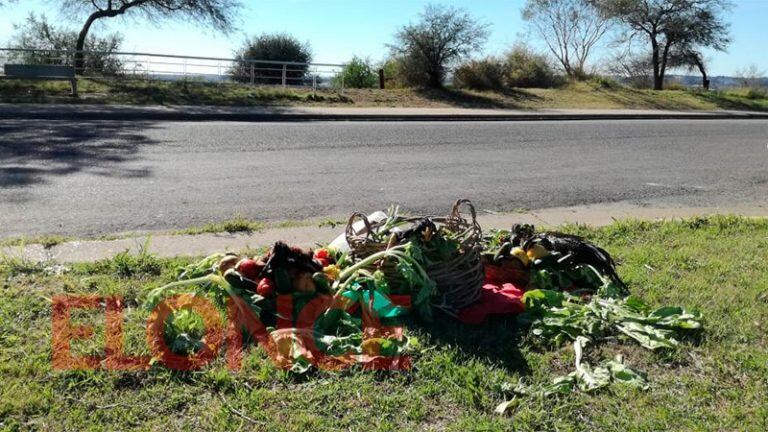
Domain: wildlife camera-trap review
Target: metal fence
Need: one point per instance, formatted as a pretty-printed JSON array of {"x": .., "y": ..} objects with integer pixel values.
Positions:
[{"x": 149, "y": 66}]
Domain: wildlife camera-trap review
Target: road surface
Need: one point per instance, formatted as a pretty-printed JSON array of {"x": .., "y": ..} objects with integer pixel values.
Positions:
[{"x": 102, "y": 177}]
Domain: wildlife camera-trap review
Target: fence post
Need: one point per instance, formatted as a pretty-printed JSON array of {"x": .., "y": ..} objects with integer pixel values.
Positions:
[
  {"x": 253, "y": 73},
  {"x": 381, "y": 78},
  {"x": 342, "y": 83},
  {"x": 314, "y": 84},
  {"x": 285, "y": 67}
]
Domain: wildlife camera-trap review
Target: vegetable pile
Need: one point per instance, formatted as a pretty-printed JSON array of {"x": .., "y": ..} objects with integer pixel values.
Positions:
[{"x": 561, "y": 288}]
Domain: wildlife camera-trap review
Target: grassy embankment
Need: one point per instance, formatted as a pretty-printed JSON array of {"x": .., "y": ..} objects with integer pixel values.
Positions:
[
  {"x": 591, "y": 95},
  {"x": 719, "y": 382}
]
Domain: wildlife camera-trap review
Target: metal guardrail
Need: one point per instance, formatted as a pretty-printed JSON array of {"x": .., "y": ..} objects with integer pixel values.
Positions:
[{"x": 170, "y": 67}]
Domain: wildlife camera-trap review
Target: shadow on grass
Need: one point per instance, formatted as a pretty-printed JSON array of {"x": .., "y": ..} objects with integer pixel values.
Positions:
[
  {"x": 506, "y": 99},
  {"x": 731, "y": 102},
  {"x": 497, "y": 340},
  {"x": 641, "y": 99}
]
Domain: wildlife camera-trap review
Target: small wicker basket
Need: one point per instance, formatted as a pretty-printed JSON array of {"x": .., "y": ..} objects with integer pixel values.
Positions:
[{"x": 458, "y": 279}]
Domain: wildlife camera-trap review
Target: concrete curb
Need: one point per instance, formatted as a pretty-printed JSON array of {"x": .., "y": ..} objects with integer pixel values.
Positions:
[
  {"x": 298, "y": 114},
  {"x": 166, "y": 245}
]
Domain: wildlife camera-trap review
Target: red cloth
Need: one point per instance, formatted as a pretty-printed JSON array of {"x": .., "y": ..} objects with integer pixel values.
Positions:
[{"x": 506, "y": 299}]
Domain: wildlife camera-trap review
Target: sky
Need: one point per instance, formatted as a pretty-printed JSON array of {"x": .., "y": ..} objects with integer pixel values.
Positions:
[{"x": 339, "y": 29}]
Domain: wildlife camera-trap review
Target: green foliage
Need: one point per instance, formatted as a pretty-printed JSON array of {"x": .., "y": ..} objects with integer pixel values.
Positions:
[
  {"x": 238, "y": 224},
  {"x": 526, "y": 68},
  {"x": 521, "y": 67},
  {"x": 442, "y": 37},
  {"x": 126, "y": 264},
  {"x": 486, "y": 74},
  {"x": 280, "y": 47},
  {"x": 757, "y": 93},
  {"x": 37, "y": 33},
  {"x": 358, "y": 73}
]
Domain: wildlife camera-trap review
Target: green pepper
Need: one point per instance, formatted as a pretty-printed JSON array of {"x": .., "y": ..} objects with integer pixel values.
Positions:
[{"x": 322, "y": 285}]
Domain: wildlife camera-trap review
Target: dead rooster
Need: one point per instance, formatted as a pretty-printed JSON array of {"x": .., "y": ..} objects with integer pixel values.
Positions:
[{"x": 572, "y": 248}]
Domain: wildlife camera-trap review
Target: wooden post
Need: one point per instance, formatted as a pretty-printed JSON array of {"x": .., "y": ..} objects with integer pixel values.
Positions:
[{"x": 381, "y": 78}]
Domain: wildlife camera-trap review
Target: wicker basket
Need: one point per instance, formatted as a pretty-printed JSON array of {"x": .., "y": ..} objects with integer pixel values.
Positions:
[
  {"x": 365, "y": 244},
  {"x": 458, "y": 279}
]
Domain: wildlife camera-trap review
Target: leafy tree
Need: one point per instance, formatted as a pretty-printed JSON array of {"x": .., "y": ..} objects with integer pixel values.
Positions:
[
  {"x": 442, "y": 37},
  {"x": 570, "y": 28},
  {"x": 670, "y": 26},
  {"x": 219, "y": 14},
  {"x": 358, "y": 73},
  {"x": 37, "y": 33},
  {"x": 279, "y": 47},
  {"x": 690, "y": 58}
]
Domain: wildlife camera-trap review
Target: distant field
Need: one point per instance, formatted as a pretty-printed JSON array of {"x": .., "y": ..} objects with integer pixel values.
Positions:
[
  {"x": 718, "y": 265},
  {"x": 577, "y": 95}
]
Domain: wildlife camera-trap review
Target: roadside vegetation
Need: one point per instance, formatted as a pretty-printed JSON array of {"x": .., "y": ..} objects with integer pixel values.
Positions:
[
  {"x": 433, "y": 61},
  {"x": 596, "y": 94},
  {"x": 719, "y": 381}
]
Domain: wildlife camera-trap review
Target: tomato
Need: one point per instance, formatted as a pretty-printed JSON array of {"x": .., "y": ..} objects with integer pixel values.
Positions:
[
  {"x": 249, "y": 268},
  {"x": 322, "y": 254},
  {"x": 266, "y": 288}
]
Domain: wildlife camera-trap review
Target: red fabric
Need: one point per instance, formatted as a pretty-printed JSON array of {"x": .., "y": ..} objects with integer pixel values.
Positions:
[
  {"x": 498, "y": 275},
  {"x": 506, "y": 299}
]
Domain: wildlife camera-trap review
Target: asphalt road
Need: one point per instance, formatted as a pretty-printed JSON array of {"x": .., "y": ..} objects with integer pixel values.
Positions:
[{"x": 103, "y": 177}]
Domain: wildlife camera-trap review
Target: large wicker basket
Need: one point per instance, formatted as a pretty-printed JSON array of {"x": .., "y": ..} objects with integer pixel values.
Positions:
[{"x": 458, "y": 279}]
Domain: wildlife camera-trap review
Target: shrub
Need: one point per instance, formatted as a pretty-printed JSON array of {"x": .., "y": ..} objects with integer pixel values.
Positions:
[
  {"x": 280, "y": 47},
  {"x": 404, "y": 71},
  {"x": 757, "y": 93},
  {"x": 358, "y": 73},
  {"x": 604, "y": 82},
  {"x": 526, "y": 68},
  {"x": 485, "y": 74}
]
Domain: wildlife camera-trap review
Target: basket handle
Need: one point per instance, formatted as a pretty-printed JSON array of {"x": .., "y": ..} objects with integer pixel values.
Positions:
[
  {"x": 350, "y": 231},
  {"x": 456, "y": 213}
]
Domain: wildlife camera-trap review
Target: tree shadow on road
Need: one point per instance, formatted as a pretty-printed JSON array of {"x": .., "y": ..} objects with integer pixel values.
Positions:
[{"x": 36, "y": 151}]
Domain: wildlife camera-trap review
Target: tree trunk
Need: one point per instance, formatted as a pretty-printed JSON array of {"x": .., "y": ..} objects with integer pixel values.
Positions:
[
  {"x": 79, "y": 55},
  {"x": 704, "y": 77},
  {"x": 658, "y": 78}
]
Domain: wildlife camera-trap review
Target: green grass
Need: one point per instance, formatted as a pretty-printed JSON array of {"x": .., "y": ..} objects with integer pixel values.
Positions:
[
  {"x": 718, "y": 265},
  {"x": 238, "y": 224},
  {"x": 595, "y": 94},
  {"x": 48, "y": 241},
  {"x": 140, "y": 92}
]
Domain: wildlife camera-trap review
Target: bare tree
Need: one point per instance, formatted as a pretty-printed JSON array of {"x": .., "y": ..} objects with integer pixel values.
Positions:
[
  {"x": 670, "y": 25},
  {"x": 750, "y": 76},
  {"x": 442, "y": 37},
  {"x": 635, "y": 69},
  {"x": 219, "y": 14},
  {"x": 570, "y": 28}
]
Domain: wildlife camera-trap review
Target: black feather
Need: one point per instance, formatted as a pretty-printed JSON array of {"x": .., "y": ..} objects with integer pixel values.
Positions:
[{"x": 579, "y": 250}]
